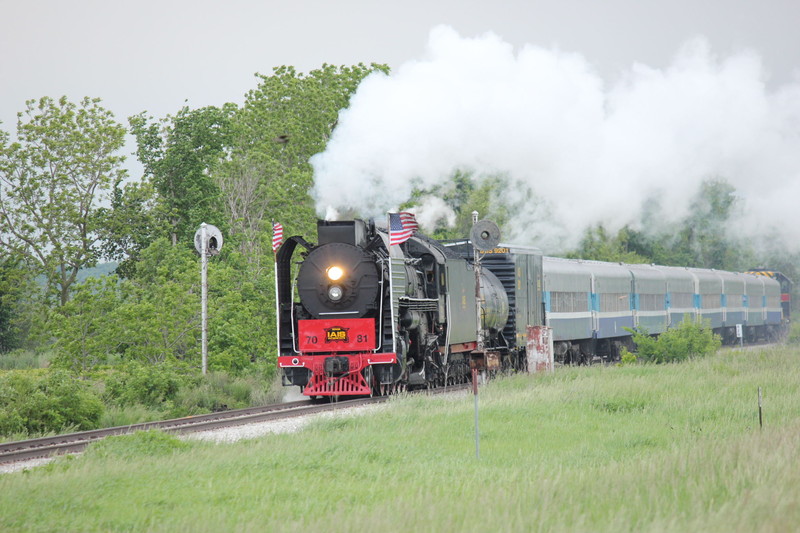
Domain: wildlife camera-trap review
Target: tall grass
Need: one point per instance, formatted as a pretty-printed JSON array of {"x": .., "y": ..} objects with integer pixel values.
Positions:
[
  {"x": 25, "y": 359},
  {"x": 672, "y": 447}
]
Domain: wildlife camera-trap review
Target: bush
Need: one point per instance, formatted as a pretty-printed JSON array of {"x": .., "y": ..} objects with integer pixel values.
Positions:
[
  {"x": 174, "y": 390},
  {"x": 35, "y": 402},
  {"x": 689, "y": 339},
  {"x": 218, "y": 391},
  {"x": 626, "y": 357},
  {"x": 794, "y": 333},
  {"x": 151, "y": 385}
]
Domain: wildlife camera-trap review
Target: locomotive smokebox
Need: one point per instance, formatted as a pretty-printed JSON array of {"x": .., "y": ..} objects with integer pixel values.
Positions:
[
  {"x": 352, "y": 232},
  {"x": 339, "y": 279}
]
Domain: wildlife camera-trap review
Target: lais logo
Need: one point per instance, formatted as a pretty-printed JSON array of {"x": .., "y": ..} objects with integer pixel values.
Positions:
[{"x": 336, "y": 334}]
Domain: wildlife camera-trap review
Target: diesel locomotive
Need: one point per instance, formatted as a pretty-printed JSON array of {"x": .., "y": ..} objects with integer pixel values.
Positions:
[{"x": 358, "y": 315}]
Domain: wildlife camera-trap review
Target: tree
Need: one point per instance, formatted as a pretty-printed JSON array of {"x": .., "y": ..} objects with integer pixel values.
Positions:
[
  {"x": 464, "y": 193},
  {"x": 704, "y": 233},
  {"x": 50, "y": 182},
  {"x": 133, "y": 222},
  {"x": 14, "y": 277},
  {"x": 701, "y": 239},
  {"x": 597, "y": 244},
  {"x": 85, "y": 330},
  {"x": 179, "y": 154},
  {"x": 287, "y": 119},
  {"x": 159, "y": 316}
]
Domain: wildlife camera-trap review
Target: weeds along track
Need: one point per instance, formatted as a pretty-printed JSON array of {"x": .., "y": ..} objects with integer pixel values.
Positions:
[
  {"x": 76, "y": 442},
  {"x": 43, "y": 447}
]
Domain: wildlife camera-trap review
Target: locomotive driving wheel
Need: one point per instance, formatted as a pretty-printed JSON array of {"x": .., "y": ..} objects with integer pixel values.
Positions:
[{"x": 372, "y": 382}]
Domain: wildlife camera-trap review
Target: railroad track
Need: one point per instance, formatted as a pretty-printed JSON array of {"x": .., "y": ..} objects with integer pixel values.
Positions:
[
  {"x": 76, "y": 442},
  {"x": 43, "y": 447}
]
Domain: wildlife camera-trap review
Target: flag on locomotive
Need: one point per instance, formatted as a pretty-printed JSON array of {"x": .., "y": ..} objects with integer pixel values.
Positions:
[
  {"x": 277, "y": 236},
  {"x": 401, "y": 227}
]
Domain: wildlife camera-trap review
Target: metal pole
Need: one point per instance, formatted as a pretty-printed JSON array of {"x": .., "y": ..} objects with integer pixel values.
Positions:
[
  {"x": 760, "y": 419},
  {"x": 475, "y": 394},
  {"x": 477, "y": 260},
  {"x": 204, "y": 294}
]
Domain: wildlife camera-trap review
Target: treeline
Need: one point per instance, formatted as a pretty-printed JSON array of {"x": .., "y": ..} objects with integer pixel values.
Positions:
[
  {"x": 712, "y": 235},
  {"x": 67, "y": 202}
]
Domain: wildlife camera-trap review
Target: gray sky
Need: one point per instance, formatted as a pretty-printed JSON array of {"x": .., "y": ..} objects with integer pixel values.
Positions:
[
  {"x": 578, "y": 100},
  {"x": 154, "y": 55}
]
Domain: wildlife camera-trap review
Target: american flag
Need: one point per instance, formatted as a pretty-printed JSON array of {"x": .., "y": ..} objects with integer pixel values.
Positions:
[
  {"x": 277, "y": 236},
  {"x": 401, "y": 227}
]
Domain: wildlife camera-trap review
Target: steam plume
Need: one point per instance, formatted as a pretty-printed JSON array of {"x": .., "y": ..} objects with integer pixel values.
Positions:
[{"x": 589, "y": 153}]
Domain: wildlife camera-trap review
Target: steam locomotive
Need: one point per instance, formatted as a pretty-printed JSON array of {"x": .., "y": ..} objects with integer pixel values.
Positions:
[{"x": 365, "y": 317}]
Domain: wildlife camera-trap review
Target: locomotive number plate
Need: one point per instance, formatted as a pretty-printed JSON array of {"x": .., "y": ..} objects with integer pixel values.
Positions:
[{"x": 337, "y": 335}]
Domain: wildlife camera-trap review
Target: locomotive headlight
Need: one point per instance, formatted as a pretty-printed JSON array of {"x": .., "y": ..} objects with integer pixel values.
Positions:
[
  {"x": 335, "y": 293},
  {"x": 335, "y": 273}
]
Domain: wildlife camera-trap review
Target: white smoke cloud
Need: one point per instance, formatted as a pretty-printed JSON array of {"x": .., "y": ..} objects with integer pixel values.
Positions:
[
  {"x": 589, "y": 152},
  {"x": 432, "y": 212}
]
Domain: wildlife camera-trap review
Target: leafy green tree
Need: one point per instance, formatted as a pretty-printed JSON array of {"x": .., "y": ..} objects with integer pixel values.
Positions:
[
  {"x": 152, "y": 317},
  {"x": 599, "y": 245},
  {"x": 159, "y": 318},
  {"x": 179, "y": 154},
  {"x": 50, "y": 184},
  {"x": 85, "y": 327},
  {"x": 54, "y": 401},
  {"x": 14, "y": 280},
  {"x": 705, "y": 234},
  {"x": 701, "y": 239},
  {"x": 284, "y": 121},
  {"x": 241, "y": 317},
  {"x": 133, "y": 222},
  {"x": 464, "y": 193}
]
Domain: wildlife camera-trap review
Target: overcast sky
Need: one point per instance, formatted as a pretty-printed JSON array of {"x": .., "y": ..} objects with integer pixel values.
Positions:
[
  {"x": 576, "y": 99},
  {"x": 154, "y": 55}
]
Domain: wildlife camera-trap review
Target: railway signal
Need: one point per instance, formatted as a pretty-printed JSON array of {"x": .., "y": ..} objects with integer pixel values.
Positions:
[{"x": 207, "y": 241}]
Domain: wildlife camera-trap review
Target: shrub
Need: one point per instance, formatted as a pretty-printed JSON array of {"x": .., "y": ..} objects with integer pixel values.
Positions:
[
  {"x": 151, "y": 385},
  {"x": 689, "y": 339},
  {"x": 50, "y": 402},
  {"x": 626, "y": 357},
  {"x": 218, "y": 391},
  {"x": 794, "y": 333}
]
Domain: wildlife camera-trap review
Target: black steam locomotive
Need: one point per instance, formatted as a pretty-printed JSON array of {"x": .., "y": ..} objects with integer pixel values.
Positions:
[{"x": 363, "y": 316}]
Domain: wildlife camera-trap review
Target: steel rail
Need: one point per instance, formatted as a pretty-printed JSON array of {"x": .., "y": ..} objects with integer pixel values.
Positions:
[
  {"x": 76, "y": 442},
  {"x": 43, "y": 447}
]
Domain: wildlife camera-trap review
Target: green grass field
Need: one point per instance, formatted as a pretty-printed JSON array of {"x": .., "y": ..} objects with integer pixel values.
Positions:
[{"x": 634, "y": 448}]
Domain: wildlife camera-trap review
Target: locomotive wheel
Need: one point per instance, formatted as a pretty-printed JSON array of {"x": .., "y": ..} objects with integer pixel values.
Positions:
[{"x": 369, "y": 377}]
